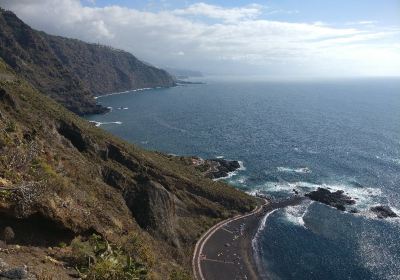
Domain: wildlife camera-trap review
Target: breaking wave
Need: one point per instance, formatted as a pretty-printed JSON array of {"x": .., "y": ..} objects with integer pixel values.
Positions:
[
  {"x": 126, "y": 91},
  {"x": 295, "y": 214},
  {"x": 365, "y": 197},
  {"x": 301, "y": 170},
  {"x": 103, "y": 123}
]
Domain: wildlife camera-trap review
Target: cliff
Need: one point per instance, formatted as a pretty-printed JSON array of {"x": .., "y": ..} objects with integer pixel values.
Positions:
[
  {"x": 71, "y": 71},
  {"x": 75, "y": 196}
]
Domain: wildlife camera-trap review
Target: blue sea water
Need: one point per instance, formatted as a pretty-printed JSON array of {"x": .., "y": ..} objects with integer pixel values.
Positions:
[{"x": 339, "y": 134}]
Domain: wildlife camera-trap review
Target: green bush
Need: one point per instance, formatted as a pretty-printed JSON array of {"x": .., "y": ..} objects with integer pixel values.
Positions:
[
  {"x": 179, "y": 275},
  {"x": 10, "y": 127},
  {"x": 95, "y": 259}
]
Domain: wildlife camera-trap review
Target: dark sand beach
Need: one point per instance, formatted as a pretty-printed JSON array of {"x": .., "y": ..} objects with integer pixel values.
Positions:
[{"x": 225, "y": 251}]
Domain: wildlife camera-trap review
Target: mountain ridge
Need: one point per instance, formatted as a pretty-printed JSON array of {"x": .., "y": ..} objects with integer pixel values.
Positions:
[{"x": 71, "y": 71}]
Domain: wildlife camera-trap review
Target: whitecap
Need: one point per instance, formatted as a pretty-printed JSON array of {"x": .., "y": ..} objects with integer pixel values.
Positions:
[
  {"x": 103, "y": 123},
  {"x": 365, "y": 196},
  {"x": 233, "y": 173},
  {"x": 95, "y": 123},
  {"x": 239, "y": 180},
  {"x": 242, "y": 167},
  {"x": 295, "y": 214},
  {"x": 396, "y": 160},
  {"x": 230, "y": 175},
  {"x": 300, "y": 170}
]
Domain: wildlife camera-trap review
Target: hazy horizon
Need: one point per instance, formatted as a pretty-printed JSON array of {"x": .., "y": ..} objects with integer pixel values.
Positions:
[{"x": 275, "y": 39}]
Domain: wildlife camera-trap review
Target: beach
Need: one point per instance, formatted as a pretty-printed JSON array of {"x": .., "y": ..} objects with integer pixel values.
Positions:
[{"x": 226, "y": 252}]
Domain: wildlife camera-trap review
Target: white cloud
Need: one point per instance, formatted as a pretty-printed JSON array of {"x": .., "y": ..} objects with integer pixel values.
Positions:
[
  {"x": 216, "y": 39},
  {"x": 362, "y": 22},
  {"x": 227, "y": 14}
]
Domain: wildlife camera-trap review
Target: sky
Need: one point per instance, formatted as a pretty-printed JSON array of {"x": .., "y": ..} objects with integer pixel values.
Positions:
[{"x": 276, "y": 38}]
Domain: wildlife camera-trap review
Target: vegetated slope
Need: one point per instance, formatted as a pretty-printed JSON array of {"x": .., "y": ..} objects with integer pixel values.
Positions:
[
  {"x": 72, "y": 71},
  {"x": 61, "y": 177}
]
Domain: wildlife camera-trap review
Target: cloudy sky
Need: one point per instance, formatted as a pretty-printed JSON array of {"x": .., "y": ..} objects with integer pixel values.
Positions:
[{"x": 281, "y": 38}]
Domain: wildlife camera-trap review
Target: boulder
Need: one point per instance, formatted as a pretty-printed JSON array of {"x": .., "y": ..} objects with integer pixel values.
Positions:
[
  {"x": 335, "y": 199},
  {"x": 15, "y": 273},
  {"x": 383, "y": 211}
]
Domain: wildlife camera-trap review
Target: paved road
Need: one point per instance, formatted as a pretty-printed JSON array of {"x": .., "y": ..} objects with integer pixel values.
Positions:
[
  {"x": 224, "y": 252},
  {"x": 220, "y": 259}
]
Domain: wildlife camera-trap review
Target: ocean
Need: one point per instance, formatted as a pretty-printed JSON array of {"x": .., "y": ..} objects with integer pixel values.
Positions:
[{"x": 341, "y": 134}]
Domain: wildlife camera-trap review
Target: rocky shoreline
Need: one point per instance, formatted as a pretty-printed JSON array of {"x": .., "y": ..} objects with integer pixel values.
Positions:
[
  {"x": 339, "y": 200},
  {"x": 216, "y": 168}
]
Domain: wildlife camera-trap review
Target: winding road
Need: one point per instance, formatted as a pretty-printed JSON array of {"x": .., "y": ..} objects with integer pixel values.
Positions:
[
  {"x": 224, "y": 252},
  {"x": 204, "y": 260}
]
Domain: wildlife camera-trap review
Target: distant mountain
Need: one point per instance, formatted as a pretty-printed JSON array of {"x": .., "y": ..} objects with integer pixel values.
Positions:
[
  {"x": 183, "y": 73},
  {"x": 71, "y": 71}
]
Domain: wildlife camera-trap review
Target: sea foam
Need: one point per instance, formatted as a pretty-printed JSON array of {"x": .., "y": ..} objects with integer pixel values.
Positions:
[
  {"x": 300, "y": 170},
  {"x": 96, "y": 123},
  {"x": 233, "y": 173},
  {"x": 365, "y": 197},
  {"x": 295, "y": 214},
  {"x": 126, "y": 91}
]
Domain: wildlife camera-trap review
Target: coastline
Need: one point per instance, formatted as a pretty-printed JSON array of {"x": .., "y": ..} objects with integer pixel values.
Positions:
[
  {"x": 226, "y": 250},
  {"x": 128, "y": 91}
]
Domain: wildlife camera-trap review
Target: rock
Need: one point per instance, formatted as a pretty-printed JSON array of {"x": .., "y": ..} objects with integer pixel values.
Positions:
[
  {"x": 7, "y": 99},
  {"x": 154, "y": 208},
  {"x": 3, "y": 265},
  {"x": 15, "y": 273},
  {"x": 220, "y": 168},
  {"x": 383, "y": 211},
  {"x": 335, "y": 199},
  {"x": 8, "y": 234}
]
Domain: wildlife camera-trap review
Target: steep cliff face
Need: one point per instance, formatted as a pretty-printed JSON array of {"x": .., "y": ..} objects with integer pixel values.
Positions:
[
  {"x": 106, "y": 70},
  {"x": 61, "y": 178},
  {"x": 71, "y": 71}
]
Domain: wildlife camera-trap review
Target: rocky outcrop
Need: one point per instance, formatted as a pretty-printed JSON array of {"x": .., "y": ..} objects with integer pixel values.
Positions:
[
  {"x": 335, "y": 199},
  {"x": 71, "y": 71},
  {"x": 7, "y": 99},
  {"x": 213, "y": 168},
  {"x": 154, "y": 209},
  {"x": 221, "y": 168},
  {"x": 8, "y": 272},
  {"x": 383, "y": 211}
]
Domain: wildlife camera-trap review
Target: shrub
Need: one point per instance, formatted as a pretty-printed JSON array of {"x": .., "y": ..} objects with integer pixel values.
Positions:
[
  {"x": 138, "y": 248},
  {"x": 95, "y": 259},
  {"x": 179, "y": 275},
  {"x": 11, "y": 127}
]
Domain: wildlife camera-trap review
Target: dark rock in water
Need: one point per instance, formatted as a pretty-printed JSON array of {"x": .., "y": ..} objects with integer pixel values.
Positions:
[
  {"x": 354, "y": 211},
  {"x": 383, "y": 211},
  {"x": 335, "y": 199},
  {"x": 296, "y": 191}
]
